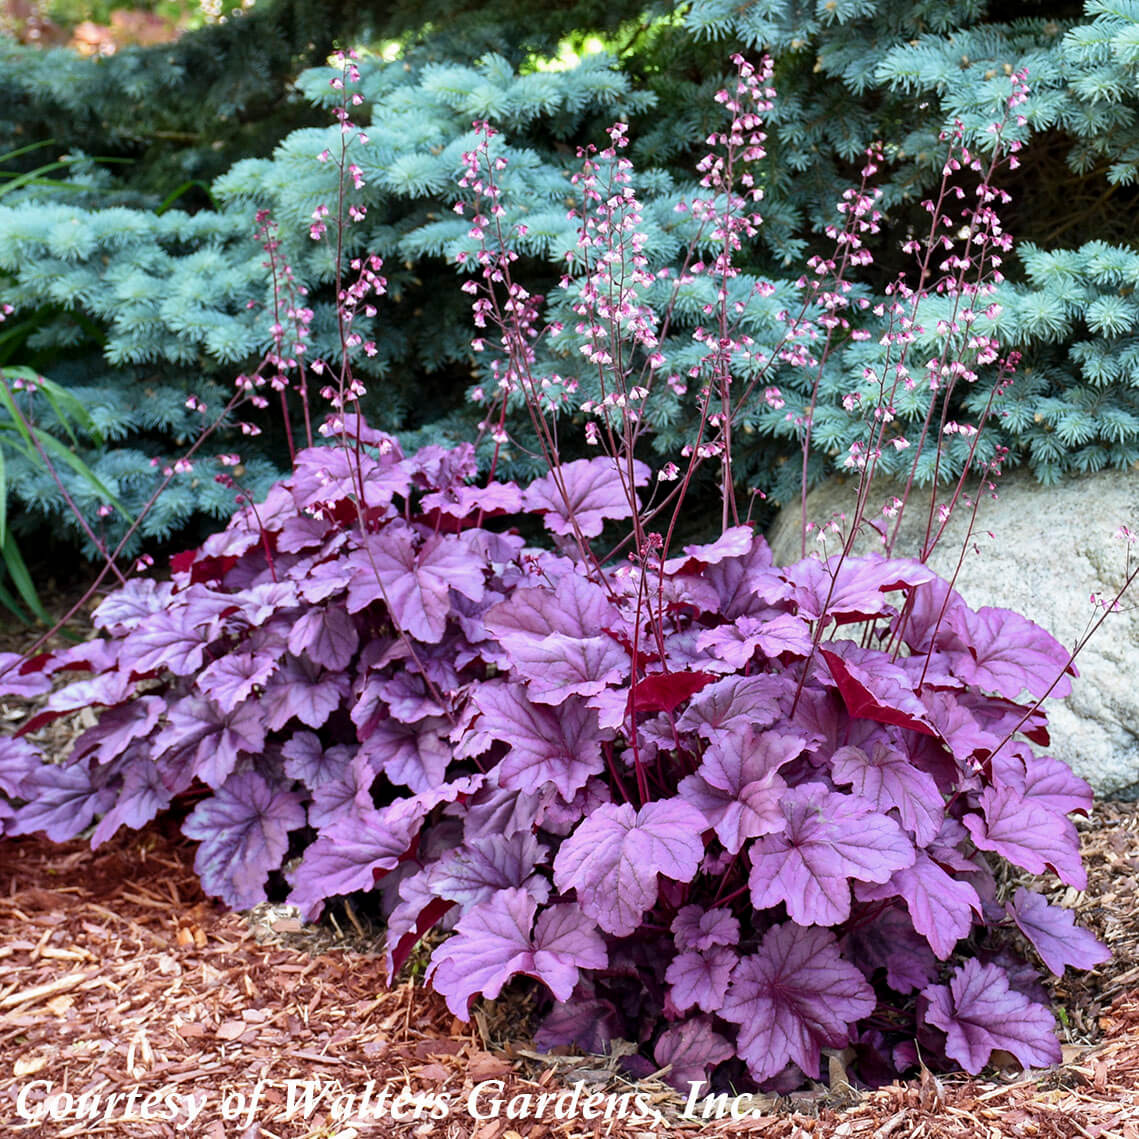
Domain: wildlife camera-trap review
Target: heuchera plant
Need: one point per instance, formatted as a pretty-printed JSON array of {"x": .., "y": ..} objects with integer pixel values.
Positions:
[{"x": 732, "y": 812}]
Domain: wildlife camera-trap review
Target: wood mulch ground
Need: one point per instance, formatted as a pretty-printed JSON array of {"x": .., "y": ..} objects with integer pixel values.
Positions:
[{"x": 130, "y": 1005}]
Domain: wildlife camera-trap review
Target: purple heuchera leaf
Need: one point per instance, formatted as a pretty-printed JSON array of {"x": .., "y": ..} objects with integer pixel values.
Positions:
[
  {"x": 346, "y": 857},
  {"x": 302, "y": 690},
  {"x": 1047, "y": 781},
  {"x": 62, "y": 799},
  {"x": 414, "y": 582},
  {"x": 326, "y": 635},
  {"x": 560, "y": 746},
  {"x": 615, "y": 855},
  {"x": 734, "y": 542},
  {"x": 829, "y": 839},
  {"x": 479, "y": 868},
  {"x": 701, "y": 978},
  {"x": 747, "y": 585},
  {"x": 736, "y": 644},
  {"x": 1054, "y": 933},
  {"x": 493, "y": 943},
  {"x": 142, "y": 796},
  {"x": 18, "y": 759},
  {"x": 746, "y": 810},
  {"x": 594, "y": 491},
  {"x": 244, "y": 832},
  {"x": 885, "y": 777},
  {"x": 979, "y": 1012},
  {"x": 15, "y": 683},
  {"x": 874, "y": 689},
  {"x": 1027, "y": 834},
  {"x": 793, "y": 997},
  {"x": 737, "y": 704},
  {"x": 690, "y": 1050},
  {"x": 889, "y": 941},
  {"x": 118, "y": 727},
  {"x": 411, "y": 755},
  {"x": 697, "y": 928},
  {"x": 1007, "y": 653},
  {"x": 940, "y": 906},
  {"x": 851, "y": 589},
  {"x": 581, "y": 1022},
  {"x": 558, "y": 666},
  {"x": 213, "y": 740},
  {"x": 131, "y": 603},
  {"x": 231, "y": 679}
]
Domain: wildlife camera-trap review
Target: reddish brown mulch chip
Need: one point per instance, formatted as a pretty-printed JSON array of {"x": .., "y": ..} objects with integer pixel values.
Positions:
[{"x": 132, "y": 1006}]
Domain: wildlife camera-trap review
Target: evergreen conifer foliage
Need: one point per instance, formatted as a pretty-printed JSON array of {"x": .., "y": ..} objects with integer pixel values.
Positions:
[{"x": 168, "y": 293}]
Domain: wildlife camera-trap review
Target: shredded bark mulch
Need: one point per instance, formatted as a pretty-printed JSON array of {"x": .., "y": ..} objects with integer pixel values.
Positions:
[{"x": 130, "y": 1005}]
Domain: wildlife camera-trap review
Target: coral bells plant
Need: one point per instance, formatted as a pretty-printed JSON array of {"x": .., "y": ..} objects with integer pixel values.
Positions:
[{"x": 734, "y": 813}]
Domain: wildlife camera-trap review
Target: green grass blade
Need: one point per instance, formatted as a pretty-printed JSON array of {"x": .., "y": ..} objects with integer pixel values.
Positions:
[{"x": 22, "y": 580}]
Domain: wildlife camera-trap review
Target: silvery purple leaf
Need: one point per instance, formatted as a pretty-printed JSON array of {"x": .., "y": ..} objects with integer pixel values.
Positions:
[
  {"x": 793, "y": 997},
  {"x": 690, "y": 1050},
  {"x": 851, "y": 589},
  {"x": 326, "y": 635},
  {"x": 24, "y": 685},
  {"x": 1027, "y": 834},
  {"x": 502, "y": 810},
  {"x": 231, "y": 679},
  {"x": 558, "y": 667},
  {"x": 121, "y": 611},
  {"x": 588, "y": 491},
  {"x": 62, "y": 799},
  {"x": 310, "y": 763},
  {"x": 979, "y": 1012},
  {"x": 492, "y": 943},
  {"x": 615, "y": 855},
  {"x": 118, "y": 727},
  {"x": 414, "y": 583},
  {"x": 346, "y": 795},
  {"x": 336, "y": 474},
  {"x": 735, "y": 704},
  {"x": 348, "y": 856},
  {"x": 244, "y": 833},
  {"x": 738, "y": 814},
  {"x": 213, "y": 739},
  {"x": 747, "y": 585},
  {"x": 736, "y": 643},
  {"x": 889, "y": 941},
  {"x": 172, "y": 639},
  {"x": 697, "y": 928},
  {"x": 561, "y": 746},
  {"x": 142, "y": 796},
  {"x": 578, "y": 608},
  {"x": 463, "y": 501},
  {"x": 480, "y": 867},
  {"x": 941, "y": 907},
  {"x": 923, "y": 623},
  {"x": 302, "y": 690},
  {"x": 411, "y": 755},
  {"x": 1054, "y": 933},
  {"x": 1047, "y": 781},
  {"x": 701, "y": 977},
  {"x": 581, "y": 1022},
  {"x": 302, "y": 533},
  {"x": 18, "y": 759},
  {"x": 884, "y": 776},
  {"x": 734, "y": 542},
  {"x": 829, "y": 839},
  {"x": 1006, "y": 653}
]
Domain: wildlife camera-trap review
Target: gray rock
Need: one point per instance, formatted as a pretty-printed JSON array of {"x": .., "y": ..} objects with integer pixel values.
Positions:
[{"x": 1052, "y": 548}]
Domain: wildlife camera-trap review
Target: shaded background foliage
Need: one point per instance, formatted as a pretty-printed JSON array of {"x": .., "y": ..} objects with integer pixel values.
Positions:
[{"x": 130, "y": 278}]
